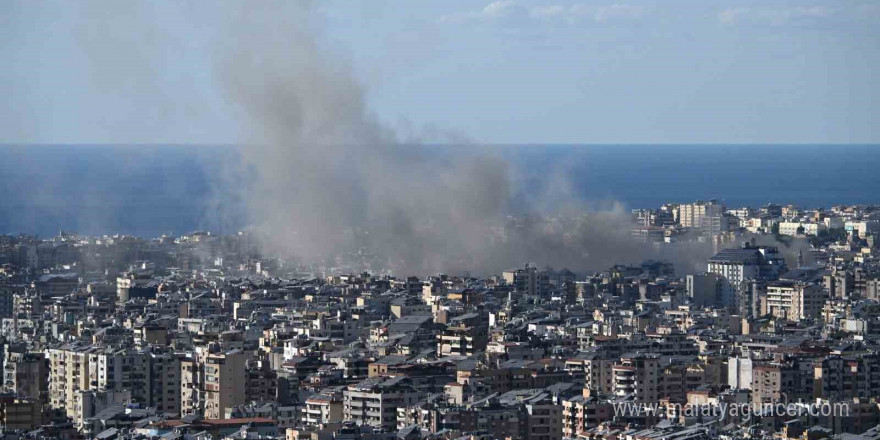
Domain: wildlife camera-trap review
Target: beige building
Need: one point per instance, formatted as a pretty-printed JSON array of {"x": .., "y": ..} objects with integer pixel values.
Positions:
[
  {"x": 793, "y": 301},
  {"x": 401, "y": 307},
  {"x": 692, "y": 215},
  {"x": 224, "y": 382},
  {"x": 68, "y": 374},
  {"x": 152, "y": 379},
  {"x": 323, "y": 408}
]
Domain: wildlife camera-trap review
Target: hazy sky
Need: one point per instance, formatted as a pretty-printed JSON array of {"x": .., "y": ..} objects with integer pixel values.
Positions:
[{"x": 509, "y": 71}]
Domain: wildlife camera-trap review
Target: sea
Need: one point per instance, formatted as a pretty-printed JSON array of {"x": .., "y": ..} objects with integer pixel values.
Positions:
[{"x": 148, "y": 190}]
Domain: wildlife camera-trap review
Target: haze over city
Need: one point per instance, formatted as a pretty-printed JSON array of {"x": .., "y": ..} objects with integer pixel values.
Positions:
[{"x": 457, "y": 220}]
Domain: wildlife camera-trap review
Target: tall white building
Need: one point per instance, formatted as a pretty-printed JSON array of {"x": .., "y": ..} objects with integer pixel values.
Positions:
[{"x": 747, "y": 263}]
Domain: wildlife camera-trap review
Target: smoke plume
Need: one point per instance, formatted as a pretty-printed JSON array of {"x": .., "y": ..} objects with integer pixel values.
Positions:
[
  {"x": 331, "y": 179},
  {"x": 320, "y": 176}
]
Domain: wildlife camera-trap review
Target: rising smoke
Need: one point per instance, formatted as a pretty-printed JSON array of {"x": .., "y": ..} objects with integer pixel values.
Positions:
[
  {"x": 320, "y": 176},
  {"x": 333, "y": 180}
]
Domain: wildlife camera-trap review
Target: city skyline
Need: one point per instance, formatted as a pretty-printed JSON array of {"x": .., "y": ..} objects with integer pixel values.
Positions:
[{"x": 454, "y": 220}]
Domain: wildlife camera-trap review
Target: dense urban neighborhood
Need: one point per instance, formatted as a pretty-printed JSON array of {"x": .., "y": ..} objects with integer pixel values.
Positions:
[{"x": 204, "y": 336}]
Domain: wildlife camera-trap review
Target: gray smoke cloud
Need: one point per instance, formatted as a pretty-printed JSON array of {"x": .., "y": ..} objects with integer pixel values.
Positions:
[
  {"x": 320, "y": 175},
  {"x": 332, "y": 179}
]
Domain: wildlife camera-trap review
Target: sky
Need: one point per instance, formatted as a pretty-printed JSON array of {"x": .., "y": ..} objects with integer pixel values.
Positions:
[{"x": 502, "y": 72}]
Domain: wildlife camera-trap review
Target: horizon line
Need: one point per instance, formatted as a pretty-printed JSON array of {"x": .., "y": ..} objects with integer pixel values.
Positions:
[{"x": 482, "y": 144}]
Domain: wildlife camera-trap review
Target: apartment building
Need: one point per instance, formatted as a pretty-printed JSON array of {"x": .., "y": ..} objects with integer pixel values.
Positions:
[
  {"x": 581, "y": 413},
  {"x": 121, "y": 369},
  {"x": 747, "y": 263},
  {"x": 464, "y": 336},
  {"x": 262, "y": 382},
  {"x": 847, "y": 377},
  {"x": 800, "y": 228},
  {"x": 543, "y": 418},
  {"x": 151, "y": 379},
  {"x": 793, "y": 301},
  {"x": 165, "y": 383},
  {"x": 374, "y": 401},
  {"x": 704, "y": 289},
  {"x": 638, "y": 375},
  {"x": 20, "y": 413},
  {"x": 594, "y": 371},
  {"x": 701, "y": 214},
  {"x": 322, "y": 408},
  {"x": 192, "y": 392},
  {"x": 224, "y": 382},
  {"x": 68, "y": 374},
  {"x": 789, "y": 380},
  {"x": 26, "y": 375},
  {"x": 528, "y": 280}
]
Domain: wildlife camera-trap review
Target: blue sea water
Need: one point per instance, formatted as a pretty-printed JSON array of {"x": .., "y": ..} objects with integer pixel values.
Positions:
[{"x": 151, "y": 190}]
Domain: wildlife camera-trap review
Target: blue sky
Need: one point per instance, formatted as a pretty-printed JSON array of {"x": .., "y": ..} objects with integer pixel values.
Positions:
[{"x": 509, "y": 71}]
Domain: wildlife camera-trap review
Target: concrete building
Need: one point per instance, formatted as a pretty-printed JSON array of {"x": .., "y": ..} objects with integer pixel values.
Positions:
[
  {"x": 543, "y": 418},
  {"x": 323, "y": 408},
  {"x": 150, "y": 379},
  {"x": 261, "y": 382},
  {"x": 165, "y": 383},
  {"x": 862, "y": 228},
  {"x": 637, "y": 375},
  {"x": 705, "y": 289},
  {"x": 528, "y": 280},
  {"x": 800, "y": 228},
  {"x": 595, "y": 372},
  {"x": 374, "y": 401},
  {"x": 581, "y": 413},
  {"x": 92, "y": 403},
  {"x": 747, "y": 263},
  {"x": 691, "y": 215},
  {"x": 464, "y": 336},
  {"x": 68, "y": 374},
  {"x": 192, "y": 391},
  {"x": 739, "y": 373},
  {"x": 26, "y": 375},
  {"x": 786, "y": 381},
  {"x": 224, "y": 382},
  {"x": 409, "y": 306},
  {"x": 793, "y": 301},
  {"x": 846, "y": 377},
  {"x": 20, "y": 413},
  {"x": 6, "y": 299}
]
